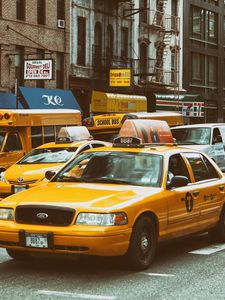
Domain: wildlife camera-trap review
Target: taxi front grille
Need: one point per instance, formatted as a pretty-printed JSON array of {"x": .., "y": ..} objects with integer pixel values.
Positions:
[
  {"x": 22, "y": 182},
  {"x": 44, "y": 215}
]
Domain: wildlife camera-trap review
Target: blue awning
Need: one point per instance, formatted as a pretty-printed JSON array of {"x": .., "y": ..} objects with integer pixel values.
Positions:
[
  {"x": 40, "y": 98},
  {"x": 8, "y": 101}
]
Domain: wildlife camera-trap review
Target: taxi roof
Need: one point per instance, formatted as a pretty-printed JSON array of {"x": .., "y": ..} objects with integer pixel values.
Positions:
[
  {"x": 199, "y": 125},
  {"x": 62, "y": 145},
  {"x": 154, "y": 149}
]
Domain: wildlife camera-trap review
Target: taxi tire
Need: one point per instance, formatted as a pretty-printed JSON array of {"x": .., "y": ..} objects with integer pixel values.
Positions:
[
  {"x": 142, "y": 246},
  {"x": 17, "y": 254},
  {"x": 218, "y": 233}
]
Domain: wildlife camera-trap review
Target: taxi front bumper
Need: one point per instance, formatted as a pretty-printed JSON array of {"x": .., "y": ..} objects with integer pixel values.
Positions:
[
  {"x": 7, "y": 189},
  {"x": 113, "y": 243}
]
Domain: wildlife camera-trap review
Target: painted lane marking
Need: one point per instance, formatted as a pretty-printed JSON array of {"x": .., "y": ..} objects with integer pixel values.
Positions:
[
  {"x": 157, "y": 274},
  {"x": 209, "y": 250},
  {"x": 74, "y": 295}
]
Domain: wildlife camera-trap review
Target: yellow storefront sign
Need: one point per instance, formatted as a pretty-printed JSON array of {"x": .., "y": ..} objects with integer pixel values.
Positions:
[{"x": 120, "y": 77}]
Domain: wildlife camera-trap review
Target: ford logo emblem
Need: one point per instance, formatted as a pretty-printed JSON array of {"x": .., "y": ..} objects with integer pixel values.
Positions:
[
  {"x": 20, "y": 179},
  {"x": 42, "y": 216}
]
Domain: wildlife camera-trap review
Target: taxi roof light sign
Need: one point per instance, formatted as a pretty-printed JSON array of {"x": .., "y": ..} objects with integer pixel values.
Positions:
[
  {"x": 73, "y": 133},
  {"x": 148, "y": 131}
]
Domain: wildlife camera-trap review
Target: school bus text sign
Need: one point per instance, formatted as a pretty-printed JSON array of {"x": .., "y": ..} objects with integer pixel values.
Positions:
[{"x": 120, "y": 77}]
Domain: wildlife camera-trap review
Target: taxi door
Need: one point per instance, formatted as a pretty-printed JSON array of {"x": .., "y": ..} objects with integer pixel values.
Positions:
[
  {"x": 12, "y": 150},
  {"x": 210, "y": 187},
  {"x": 183, "y": 202}
]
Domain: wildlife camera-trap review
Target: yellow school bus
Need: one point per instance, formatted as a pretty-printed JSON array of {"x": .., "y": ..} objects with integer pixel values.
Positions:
[
  {"x": 110, "y": 110},
  {"x": 107, "y": 126},
  {"x": 21, "y": 130}
]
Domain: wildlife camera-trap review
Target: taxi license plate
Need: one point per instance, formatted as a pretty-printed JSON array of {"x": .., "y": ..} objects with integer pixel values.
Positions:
[
  {"x": 19, "y": 188},
  {"x": 36, "y": 240}
]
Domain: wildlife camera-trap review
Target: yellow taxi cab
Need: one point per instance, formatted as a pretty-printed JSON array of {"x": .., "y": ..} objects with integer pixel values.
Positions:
[
  {"x": 30, "y": 170},
  {"x": 118, "y": 201}
]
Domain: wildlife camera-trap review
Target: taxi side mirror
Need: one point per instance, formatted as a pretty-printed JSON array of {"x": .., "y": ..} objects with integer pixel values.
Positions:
[
  {"x": 2, "y": 169},
  {"x": 177, "y": 181},
  {"x": 49, "y": 174}
]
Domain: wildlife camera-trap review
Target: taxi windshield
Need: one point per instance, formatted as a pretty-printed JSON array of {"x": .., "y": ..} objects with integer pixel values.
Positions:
[
  {"x": 2, "y": 136},
  {"x": 192, "y": 136},
  {"x": 114, "y": 167},
  {"x": 49, "y": 155}
]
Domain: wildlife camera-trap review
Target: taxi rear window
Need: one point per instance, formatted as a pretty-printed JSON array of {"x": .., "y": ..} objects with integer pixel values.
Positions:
[{"x": 115, "y": 167}]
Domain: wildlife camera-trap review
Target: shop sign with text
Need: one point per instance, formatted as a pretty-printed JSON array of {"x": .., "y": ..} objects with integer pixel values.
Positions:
[
  {"x": 38, "y": 69},
  {"x": 120, "y": 77}
]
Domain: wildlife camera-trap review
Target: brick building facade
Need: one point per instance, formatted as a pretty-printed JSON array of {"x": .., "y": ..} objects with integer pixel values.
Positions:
[{"x": 33, "y": 30}]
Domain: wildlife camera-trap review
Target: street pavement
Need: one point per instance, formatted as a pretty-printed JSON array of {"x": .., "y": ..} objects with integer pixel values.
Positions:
[{"x": 192, "y": 268}]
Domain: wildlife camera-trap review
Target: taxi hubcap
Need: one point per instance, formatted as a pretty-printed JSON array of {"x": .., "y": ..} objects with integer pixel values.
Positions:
[{"x": 144, "y": 244}]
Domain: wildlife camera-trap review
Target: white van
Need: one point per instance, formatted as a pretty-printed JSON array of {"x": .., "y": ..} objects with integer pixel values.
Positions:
[{"x": 208, "y": 138}]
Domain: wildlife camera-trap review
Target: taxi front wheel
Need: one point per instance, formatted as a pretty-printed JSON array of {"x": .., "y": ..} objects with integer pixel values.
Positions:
[
  {"x": 17, "y": 254},
  {"x": 142, "y": 244}
]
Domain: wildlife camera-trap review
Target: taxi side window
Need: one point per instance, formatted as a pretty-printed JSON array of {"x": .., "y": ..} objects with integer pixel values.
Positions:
[
  {"x": 217, "y": 138},
  {"x": 222, "y": 131},
  {"x": 84, "y": 149},
  {"x": 36, "y": 136},
  {"x": 177, "y": 167},
  {"x": 49, "y": 134},
  {"x": 199, "y": 167},
  {"x": 13, "y": 143},
  {"x": 212, "y": 171}
]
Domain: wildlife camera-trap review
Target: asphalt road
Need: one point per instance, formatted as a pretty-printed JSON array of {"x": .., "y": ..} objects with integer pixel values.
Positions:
[{"x": 175, "y": 274}]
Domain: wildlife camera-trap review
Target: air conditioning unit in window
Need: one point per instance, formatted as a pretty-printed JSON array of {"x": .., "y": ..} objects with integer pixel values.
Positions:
[{"x": 60, "y": 23}]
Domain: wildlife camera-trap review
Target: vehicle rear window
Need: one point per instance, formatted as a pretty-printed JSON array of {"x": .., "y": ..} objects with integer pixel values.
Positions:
[{"x": 192, "y": 136}]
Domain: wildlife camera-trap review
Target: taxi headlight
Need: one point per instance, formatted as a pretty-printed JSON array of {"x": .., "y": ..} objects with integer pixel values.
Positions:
[
  {"x": 6, "y": 214},
  {"x": 99, "y": 219},
  {"x": 2, "y": 176}
]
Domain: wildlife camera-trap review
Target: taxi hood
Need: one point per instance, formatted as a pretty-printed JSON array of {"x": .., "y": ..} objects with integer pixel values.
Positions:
[
  {"x": 29, "y": 172},
  {"x": 103, "y": 197}
]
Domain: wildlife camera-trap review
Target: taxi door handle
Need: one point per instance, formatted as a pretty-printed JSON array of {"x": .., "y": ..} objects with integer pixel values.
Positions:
[
  {"x": 196, "y": 193},
  {"x": 221, "y": 188}
]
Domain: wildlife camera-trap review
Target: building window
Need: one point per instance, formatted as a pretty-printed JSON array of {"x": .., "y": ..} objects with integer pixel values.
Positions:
[
  {"x": 143, "y": 13},
  {"x": 143, "y": 60},
  {"x": 59, "y": 71},
  {"x": 204, "y": 24},
  {"x": 204, "y": 70},
  {"x": 19, "y": 60},
  {"x": 214, "y": 2},
  {"x": 173, "y": 66},
  {"x": 61, "y": 9},
  {"x": 20, "y": 10},
  {"x": 0, "y": 8},
  {"x": 110, "y": 45},
  {"x": 81, "y": 57},
  {"x": 97, "y": 51},
  {"x": 197, "y": 22},
  {"x": 40, "y": 55},
  {"x": 41, "y": 12},
  {"x": 197, "y": 69},
  {"x": 124, "y": 43},
  {"x": 212, "y": 71}
]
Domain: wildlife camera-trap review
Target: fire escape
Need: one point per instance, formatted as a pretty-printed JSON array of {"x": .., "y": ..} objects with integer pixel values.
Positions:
[{"x": 166, "y": 27}]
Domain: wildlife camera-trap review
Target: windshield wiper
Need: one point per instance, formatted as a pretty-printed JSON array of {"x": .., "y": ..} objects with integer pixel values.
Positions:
[
  {"x": 68, "y": 179},
  {"x": 106, "y": 180},
  {"x": 187, "y": 143}
]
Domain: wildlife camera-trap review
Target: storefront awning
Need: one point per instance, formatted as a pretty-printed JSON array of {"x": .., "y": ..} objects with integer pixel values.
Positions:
[
  {"x": 191, "y": 105},
  {"x": 8, "y": 101},
  {"x": 38, "y": 98}
]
